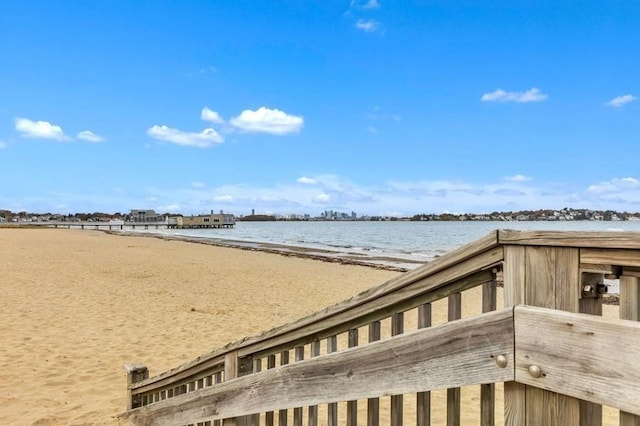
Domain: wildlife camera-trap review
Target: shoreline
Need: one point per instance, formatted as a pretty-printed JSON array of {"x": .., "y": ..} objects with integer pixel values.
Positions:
[{"x": 378, "y": 262}]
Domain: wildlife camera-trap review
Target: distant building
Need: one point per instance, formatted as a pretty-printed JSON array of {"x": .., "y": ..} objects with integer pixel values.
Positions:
[
  {"x": 145, "y": 216},
  {"x": 223, "y": 220}
]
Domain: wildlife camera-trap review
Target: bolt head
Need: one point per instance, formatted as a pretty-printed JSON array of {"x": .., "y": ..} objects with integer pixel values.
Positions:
[
  {"x": 501, "y": 360},
  {"x": 535, "y": 371}
]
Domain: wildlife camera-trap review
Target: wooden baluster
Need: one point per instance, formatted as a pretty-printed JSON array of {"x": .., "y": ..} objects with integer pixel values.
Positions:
[
  {"x": 630, "y": 310},
  {"x": 397, "y": 327},
  {"x": 488, "y": 391},
  {"x": 268, "y": 417},
  {"x": 297, "y": 412},
  {"x": 332, "y": 408},
  {"x": 230, "y": 373},
  {"x": 313, "y": 409},
  {"x": 254, "y": 420},
  {"x": 352, "y": 406},
  {"x": 453, "y": 394},
  {"x": 373, "y": 404},
  {"x": 217, "y": 379},
  {"x": 282, "y": 414},
  {"x": 423, "y": 399}
]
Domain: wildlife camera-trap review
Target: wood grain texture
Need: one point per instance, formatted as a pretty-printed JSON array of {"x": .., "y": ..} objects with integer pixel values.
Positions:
[
  {"x": 618, "y": 257},
  {"x": 373, "y": 404},
  {"x": 514, "y": 294},
  {"x": 488, "y": 391},
  {"x": 454, "y": 354},
  {"x": 423, "y": 399},
  {"x": 454, "y": 312},
  {"x": 599, "y": 239},
  {"x": 575, "y": 356},
  {"x": 629, "y": 310}
]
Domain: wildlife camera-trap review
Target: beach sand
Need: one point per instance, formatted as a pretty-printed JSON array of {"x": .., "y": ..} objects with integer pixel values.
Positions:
[{"x": 78, "y": 305}]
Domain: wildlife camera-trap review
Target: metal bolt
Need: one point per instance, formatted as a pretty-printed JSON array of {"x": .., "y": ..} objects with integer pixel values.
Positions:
[
  {"x": 501, "y": 360},
  {"x": 587, "y": 288},
  {"x": 535, "y": 371}
]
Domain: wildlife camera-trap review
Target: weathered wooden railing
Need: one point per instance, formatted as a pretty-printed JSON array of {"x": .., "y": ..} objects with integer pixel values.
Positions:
[{"x": 546, "y": 358}]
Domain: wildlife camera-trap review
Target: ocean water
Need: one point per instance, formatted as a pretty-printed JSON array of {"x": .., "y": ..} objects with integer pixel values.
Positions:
[{"x": 405, "y": 244}]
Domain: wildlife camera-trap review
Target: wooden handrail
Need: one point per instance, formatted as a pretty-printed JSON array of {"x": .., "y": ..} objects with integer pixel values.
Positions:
[{"x": 563, "y": 352}]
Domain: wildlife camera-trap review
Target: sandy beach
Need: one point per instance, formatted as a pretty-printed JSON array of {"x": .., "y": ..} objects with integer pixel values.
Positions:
[{"x": 78, "y": 305}]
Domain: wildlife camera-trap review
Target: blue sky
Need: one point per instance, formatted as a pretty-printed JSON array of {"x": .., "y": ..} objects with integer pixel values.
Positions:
[{"x": 378, "y": 107}]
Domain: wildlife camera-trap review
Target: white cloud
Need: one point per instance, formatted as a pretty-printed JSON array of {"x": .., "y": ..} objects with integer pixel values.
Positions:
[
  {"x": 499, "y": 95},
  {"x": 619, "y": 101},
  {"x": 3, "y": 145},
  {"x": 211, "y": 116},
  {"x": 265, "y": 120},
  {"x": 518, "y": 178},
  {"x": 307, "y": 181},
  {"x": 39, "y": 130},
  {"x": 322, "y": 198},
  {"x": 87, "y": 135},
  {"x": 366, "y": 4},
  {"x": 615, "y": 185},
  {"x": 367, "y": 25},
  {"x": 223, "y": 198},
  {"x": 204, "y": 139}
]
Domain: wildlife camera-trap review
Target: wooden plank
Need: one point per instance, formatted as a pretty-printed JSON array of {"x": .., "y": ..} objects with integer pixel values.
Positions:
[
  {"x": 454, "y": 354},
  {"x": 599, "y": 239},
  {"x": 397, "y": 328},
  {"x": 488, "y": 390},
  {"x": 453, "y": 394},
  {"x": 423, "y": 399},
  {"x": 573, "y": 352},
  {"x": 629, "y": 310},
  {"x": 254, "y": 420},
  {"x": 373, "y": 404},
  {"x": 514, "y": 294},
  {"x": 619, "y": 257}
]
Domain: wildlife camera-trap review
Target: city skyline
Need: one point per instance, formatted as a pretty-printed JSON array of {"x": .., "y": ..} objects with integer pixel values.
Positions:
[{"x": 378, "y": 107}]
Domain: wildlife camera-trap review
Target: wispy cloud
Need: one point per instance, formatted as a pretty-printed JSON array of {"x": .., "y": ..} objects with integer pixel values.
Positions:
[
  {"x": 203, "y": 139},
  {"x": 615, "y": 185},
  {"x": 619, "y": 101},
  {"x": 211, "y": 116},
  {"x": 365, "y": 4},
  {"x": 307, "y": 180},
  {"x": 499, "y": 95},
  {"x": 197, "y": 184},
  {"x": 265, "y": 120},
  {"x": 39, "y": 130},
  {"x": 89, "y": 136},
  {"x": 367, "y": 25},
  {"x": 518, "y": 178}
]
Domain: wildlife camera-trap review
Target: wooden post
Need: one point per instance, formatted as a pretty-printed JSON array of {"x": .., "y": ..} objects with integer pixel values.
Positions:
[
  {"x": 423, "y": 399},
  {"x": 453, "y": 394},
  {"x": 254, "y": 420},
  {"x": 230, "y": 372},
  {"x": 135, "y": 373},
  {"x": 630, "y": 310},
  {"x": 548, "y": 277}
]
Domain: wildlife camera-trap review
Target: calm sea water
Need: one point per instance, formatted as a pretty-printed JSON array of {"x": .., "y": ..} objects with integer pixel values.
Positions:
[{"x": 409, "y": 241}]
